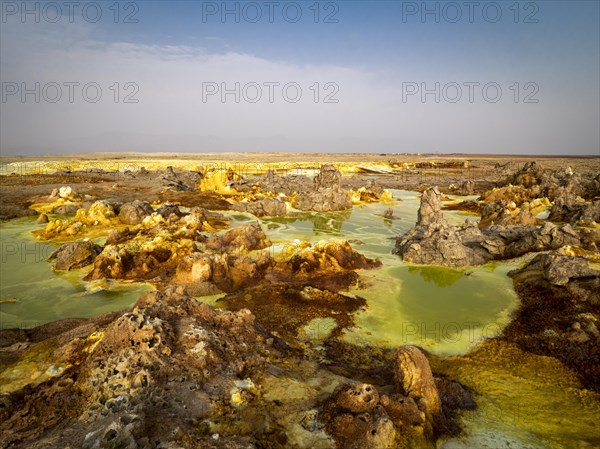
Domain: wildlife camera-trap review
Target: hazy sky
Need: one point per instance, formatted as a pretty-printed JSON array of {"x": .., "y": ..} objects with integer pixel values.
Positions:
[{"x": 347, "y": 76}]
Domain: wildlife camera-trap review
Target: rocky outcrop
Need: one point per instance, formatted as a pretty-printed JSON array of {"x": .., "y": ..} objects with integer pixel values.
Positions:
[
  {"x": 529, "y": 175},
  {"x": 327, "y": 194},
  {"x": 507, "y": 194},
  {"x": 179, "y": 183},
  {"x": 328, "y": 177},
  {"x": 99, "y": 214},
  {"x": 572, "y": 209},
  {"x": 140, "y": 260},
  {"x": 370, "y": 192},
  {"x": 408, "y": 415},
  {"x": 502, "y": 213},
  {"x": 266, "y": 207},
  {"x": 329, "y": 265},
  {"x": 519, "y": 240},
  {"x": 415, "y": 380},
  {"x": 288, "y": 185},
  {"x": 433, "y": 241},
  {"x": 559, "y": 313},
  {"x": 74, "y": 255},
  {"x": 538, "y": 182},
  {"x": 147, "y": 379},
  {"x": 134, "y": 213},
  {"x": 324, "y": 200},
  {"x": 168, "y": 209},
  {"x": 559, "y": 269},
  {"x": 430, "y": 210},
  {"x": 371, "y": 429},
  {"x": 208, "y": 274},
  {"x": 65, "y": 209},
  {"x": 467, "y": 187},
  {"x": 241, "y": 239}
]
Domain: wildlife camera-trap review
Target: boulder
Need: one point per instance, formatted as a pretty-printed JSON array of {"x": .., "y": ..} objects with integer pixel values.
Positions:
[
  {"x": 415, "y": 380},
  {"x": 131, "y": 262},
  {"x": 266, "y": 207},
  {"x": 287, "y": 185},
  {"x": 328, "y": 177},
  {"x": 134, "y": 213},
  {"x": 65, "y": 209},
  {"x": 245, "y": 238},
  {"x": 365, "y": 431},
  {"x": 100, "y": 212},
  {"x": 327, "y": 194},
  {"x": 410, "y": 414},
  {"x": 74, "y": 255},
  {"x": 323, "y": 200},
  {"x": 208, "y": 274},
  {"x": 403, "y": 410},
  {"x": 173, "y": 181},
  {"x": 167, "y": 209},
  {"x": 358, "y": 398},
  {"x": 560, "y": 269}
]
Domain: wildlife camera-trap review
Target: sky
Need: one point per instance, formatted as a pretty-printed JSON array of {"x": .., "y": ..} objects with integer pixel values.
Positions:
[{"x": 510, "y": 77}]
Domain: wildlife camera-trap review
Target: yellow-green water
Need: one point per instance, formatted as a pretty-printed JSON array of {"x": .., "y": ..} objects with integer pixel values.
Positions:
[
  {"x": 525, "y": 401},
  {"x": 444, "y": 310},
  {"x": 42, "y": 295}
]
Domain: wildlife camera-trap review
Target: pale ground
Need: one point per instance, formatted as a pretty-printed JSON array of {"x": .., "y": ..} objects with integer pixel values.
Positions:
[{"x": 398, "y": 171}]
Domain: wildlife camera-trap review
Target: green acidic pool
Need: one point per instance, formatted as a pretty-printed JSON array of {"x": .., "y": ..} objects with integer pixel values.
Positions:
[
  {"x": 444, "y": 310},
  {"x": 41, "y": 295}
]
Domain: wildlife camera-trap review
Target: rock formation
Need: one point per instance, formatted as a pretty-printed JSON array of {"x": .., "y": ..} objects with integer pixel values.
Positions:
[
  {"x": 266, "y": 207},
  {"x": 148, "y": 379},
  {"x": 134, "y": 213},
  {"x": 74, "y": 255},
  {"x": 241, "y": 239},
  {"x": 559, "y": 314},
  {"x": 327, "y": 194},
  {"x": 411, "y": 415},
  {"x": 433, "y": 241}
]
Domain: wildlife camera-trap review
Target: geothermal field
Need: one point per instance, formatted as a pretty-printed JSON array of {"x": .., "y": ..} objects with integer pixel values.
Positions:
[{"x": 295, "y": 300}]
